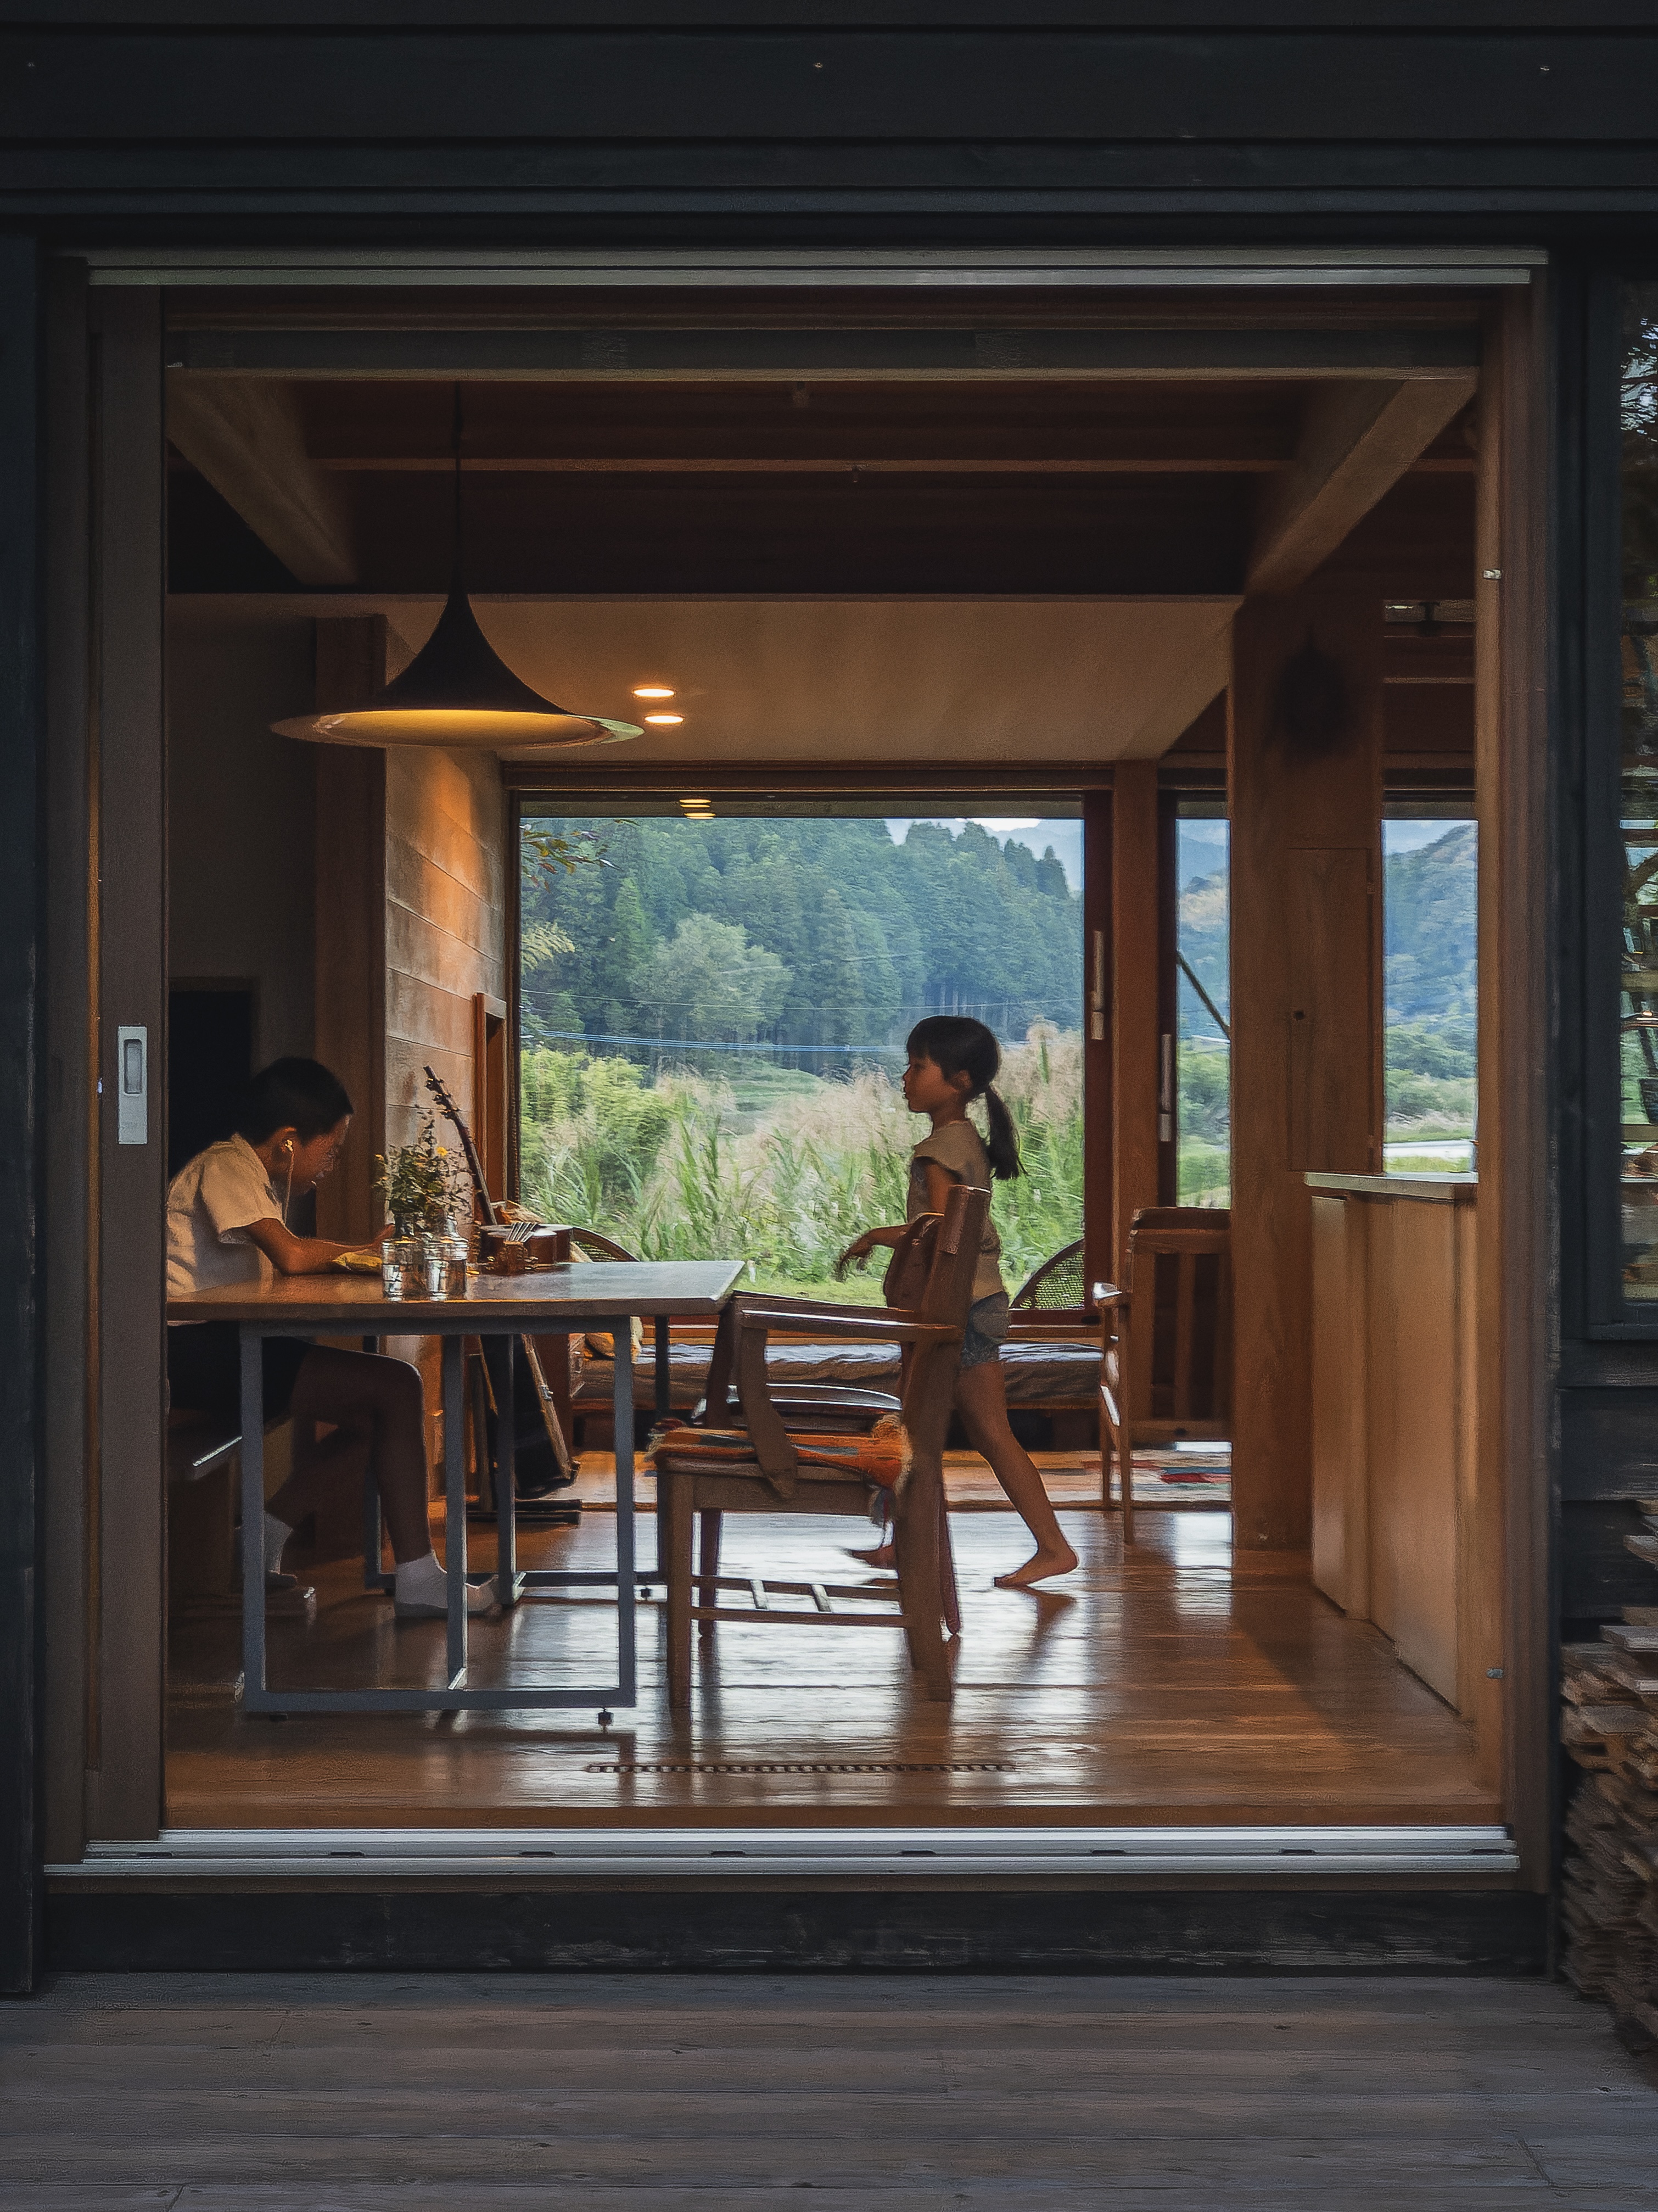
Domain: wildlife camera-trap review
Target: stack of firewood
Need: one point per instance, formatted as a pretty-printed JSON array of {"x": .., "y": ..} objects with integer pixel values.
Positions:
[{"x": 1609, "y": 1725}]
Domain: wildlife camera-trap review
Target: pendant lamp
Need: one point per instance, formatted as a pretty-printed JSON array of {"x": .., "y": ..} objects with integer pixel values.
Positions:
[{"x": 457, "y": 691}]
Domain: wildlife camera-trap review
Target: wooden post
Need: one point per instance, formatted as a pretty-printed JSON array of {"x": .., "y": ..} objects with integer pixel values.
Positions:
[
  {"x": 1099, "y": 1244},
  {"x": 350, "y": 1025},
  {"x": 1136, "y": 993},
  {"x": 1168, "y": 997},
  {"x": 1304, "y": 774}
]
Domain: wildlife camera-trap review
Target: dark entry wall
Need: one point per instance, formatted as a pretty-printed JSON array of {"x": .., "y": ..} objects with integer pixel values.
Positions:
[{"x": 415, "y": 125}]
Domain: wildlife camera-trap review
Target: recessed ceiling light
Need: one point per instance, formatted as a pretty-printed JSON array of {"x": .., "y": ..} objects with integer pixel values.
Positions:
[
  {"x": 662, "y": 721},
  {"x": 653, "y": 691}
]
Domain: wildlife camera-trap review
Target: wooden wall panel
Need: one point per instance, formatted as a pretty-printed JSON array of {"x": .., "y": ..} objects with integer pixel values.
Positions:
[
  {"x": 350, "y": 988},
  {"x": 71, "y": 1119},
  {"x": 1416, "y": 1429},
  {"x": 127, "y": 1552},
  {"x": 1340, "y": 1355},
  {"x": 445, "y": 922},
  {"x": 1304, "y": 1076}
]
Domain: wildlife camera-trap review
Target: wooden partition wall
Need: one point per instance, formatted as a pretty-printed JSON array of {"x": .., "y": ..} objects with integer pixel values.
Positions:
[{"x": 1304, "y": 777}]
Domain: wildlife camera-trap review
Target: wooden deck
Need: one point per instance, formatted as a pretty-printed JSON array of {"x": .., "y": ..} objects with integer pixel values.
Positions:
[
  {"x": 1167, "y": 1685},
  {"x": 279, "y": 2092}
]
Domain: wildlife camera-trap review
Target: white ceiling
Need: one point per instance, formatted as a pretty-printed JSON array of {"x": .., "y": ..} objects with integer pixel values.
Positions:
[
  {"x": 928, "y": 681},
  {"x": 932, "y": 682}
]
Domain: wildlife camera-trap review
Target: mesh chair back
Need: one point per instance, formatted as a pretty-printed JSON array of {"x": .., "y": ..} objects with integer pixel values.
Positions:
[{"x": 1057, "y": 1284}]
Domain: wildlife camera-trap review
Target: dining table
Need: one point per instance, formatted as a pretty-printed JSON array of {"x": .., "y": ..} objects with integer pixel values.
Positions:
[{"x": 588, "y": 1298}]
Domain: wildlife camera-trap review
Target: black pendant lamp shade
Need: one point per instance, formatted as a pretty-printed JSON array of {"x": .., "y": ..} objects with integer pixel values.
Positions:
[{"x": 457, "y": 691}]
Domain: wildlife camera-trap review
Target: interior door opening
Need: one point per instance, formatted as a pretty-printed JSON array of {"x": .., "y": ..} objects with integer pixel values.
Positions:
[{"x": 1124, "y": 615}]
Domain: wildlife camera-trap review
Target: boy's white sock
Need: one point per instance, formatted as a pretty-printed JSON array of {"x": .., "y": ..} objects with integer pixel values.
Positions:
[
  {"x": 423, "y": 1582},
  {"x": 277, "y": 1534}
]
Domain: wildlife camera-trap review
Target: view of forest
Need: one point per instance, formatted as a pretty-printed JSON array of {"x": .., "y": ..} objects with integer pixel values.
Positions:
[
  {"x": 713, "y": 1017},
  {"x": 1431, "y": 988},
  {"x": 713, "y": 1022}
]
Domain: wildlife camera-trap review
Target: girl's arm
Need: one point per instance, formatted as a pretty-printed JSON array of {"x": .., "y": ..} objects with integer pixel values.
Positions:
[
  {"x": 939, "y": 1181},
  {"x": 297, "y": 1255}
]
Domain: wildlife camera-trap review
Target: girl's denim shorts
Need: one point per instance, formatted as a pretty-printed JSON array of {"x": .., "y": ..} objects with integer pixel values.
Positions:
[{"x": 987, "y": 1323}]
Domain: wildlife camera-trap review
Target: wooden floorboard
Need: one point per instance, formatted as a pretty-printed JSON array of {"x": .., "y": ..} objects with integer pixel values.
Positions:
[
  {"x": 1166, "y": 1683},
  {"x": 356, "y": 2094}
]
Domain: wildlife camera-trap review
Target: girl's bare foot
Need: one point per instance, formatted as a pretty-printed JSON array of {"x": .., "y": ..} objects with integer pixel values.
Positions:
[
  {"x": 882, "y": 1556},
  {"x": 1038, "y": 1567}
]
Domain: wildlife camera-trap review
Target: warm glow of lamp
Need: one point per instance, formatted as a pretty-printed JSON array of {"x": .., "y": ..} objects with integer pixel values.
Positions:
[
  {"x": 459, "y": 691},
  {"x": 664, "y": 721},
  {"x": 653, "y": 691}
]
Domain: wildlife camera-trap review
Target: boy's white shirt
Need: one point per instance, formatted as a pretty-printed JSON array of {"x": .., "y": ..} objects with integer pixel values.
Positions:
[{"x": 211, "y": 1203}]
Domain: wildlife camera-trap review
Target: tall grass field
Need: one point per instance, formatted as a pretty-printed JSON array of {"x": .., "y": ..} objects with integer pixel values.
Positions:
[{"x": 778, "y": 1168}]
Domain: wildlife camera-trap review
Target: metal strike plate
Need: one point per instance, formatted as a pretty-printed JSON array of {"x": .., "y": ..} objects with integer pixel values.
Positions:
[{"x": 132, "y": 1086}]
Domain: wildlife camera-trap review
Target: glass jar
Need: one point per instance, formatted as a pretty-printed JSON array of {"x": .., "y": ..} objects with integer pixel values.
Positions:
[
  {"x": 401, "y": 1269},
  {"x": 455, "y": 1256},
  {"x": 434, "y": 1266}
]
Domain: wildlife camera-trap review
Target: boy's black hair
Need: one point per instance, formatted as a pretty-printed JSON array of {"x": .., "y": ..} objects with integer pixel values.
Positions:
[
  {"x": 292, "y": 1094},
  {"x": 957, "y": 1045}
]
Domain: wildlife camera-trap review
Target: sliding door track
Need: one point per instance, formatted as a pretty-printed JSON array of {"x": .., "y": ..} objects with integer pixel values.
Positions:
[{"x": 903, "y": 1856}]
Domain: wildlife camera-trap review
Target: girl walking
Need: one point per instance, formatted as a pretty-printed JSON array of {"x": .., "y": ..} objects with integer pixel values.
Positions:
[{"x": 952, "y": 1062}]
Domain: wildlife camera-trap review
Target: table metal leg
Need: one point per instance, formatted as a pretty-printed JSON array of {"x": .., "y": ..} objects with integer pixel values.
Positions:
[
  {"x": 626, "y": 1595},
  {"x": 454, "y": 1499},
  {"x": 375, "y": 1576},
  {"x": 507, "y": 1584},
  {"x": 663, "y": 1395},
  {"x": 252, "y": 1451}
]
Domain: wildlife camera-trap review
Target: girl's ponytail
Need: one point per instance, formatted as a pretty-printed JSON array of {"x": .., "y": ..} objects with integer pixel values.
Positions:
[{"x": 1004, "y": 1144}]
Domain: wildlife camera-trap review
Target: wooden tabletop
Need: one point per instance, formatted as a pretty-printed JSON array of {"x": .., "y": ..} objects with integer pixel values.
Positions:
[{"x": 560, "y": 1297}]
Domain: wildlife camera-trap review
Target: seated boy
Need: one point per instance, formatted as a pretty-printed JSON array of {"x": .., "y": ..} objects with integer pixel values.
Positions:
[{"x": 226, "y": 1222}]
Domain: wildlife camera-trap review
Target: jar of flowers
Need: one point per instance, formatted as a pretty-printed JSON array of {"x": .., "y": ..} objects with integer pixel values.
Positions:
[{"x": 427, "y": 1190}]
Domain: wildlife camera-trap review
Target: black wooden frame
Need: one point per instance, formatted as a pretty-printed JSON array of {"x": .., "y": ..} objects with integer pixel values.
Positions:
[
  {"x": 1594, "y": 744},
  {"x": 1201, "y": 140}
]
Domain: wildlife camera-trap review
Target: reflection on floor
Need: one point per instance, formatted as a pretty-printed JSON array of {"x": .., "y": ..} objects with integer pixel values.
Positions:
[{"x": 1160, "y": 1685}]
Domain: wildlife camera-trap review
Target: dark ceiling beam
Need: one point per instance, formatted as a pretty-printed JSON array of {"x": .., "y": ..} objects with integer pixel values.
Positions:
[
  {"x": 1357, "y": 441},
  {"x": 549, "y": 354},
  {"x": 247, "y": 438},
  {"x": 1117, "y": 464}
]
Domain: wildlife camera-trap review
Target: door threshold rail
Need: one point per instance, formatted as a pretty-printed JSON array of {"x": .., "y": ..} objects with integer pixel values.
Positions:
[{"x": 908, "y": 1854}]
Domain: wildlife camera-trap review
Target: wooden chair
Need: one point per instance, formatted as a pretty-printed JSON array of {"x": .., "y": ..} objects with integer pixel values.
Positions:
[
  {"x": 775, "y": 1480},
  {"x": 1165, "y": 1342}
]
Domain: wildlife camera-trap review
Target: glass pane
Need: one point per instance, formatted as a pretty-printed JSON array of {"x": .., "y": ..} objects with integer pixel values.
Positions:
[
  {"x": 1204, "y": 1051},
  {"x": 1639, "y": 1027},
  {"x": 1431, "y": 906},
  {"x": 714, "y": 1021}
]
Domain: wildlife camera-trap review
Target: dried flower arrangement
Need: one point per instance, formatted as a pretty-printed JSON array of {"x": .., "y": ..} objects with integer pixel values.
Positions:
[{"x": 425, "y": 1185}]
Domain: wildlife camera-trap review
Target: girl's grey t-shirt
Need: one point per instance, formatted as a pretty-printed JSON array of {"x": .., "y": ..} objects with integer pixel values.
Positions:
[{"x": 960, "y": 1150}]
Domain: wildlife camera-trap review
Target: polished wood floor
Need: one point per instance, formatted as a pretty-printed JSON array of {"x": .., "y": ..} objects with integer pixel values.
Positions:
[
  {"x": 468, "y": 2093},
  {"x": 1170, "y": 1683}
]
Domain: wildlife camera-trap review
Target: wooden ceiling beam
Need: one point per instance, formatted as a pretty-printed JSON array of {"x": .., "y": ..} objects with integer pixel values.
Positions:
[
  {"x": 1117, "y": 464},
  {"x": 247, "y": 439},
  {"x": 1357, "y": 441}
]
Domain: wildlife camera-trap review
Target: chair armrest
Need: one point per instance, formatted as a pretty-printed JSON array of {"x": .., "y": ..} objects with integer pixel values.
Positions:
[
  {"x": 786, "y": 1310},
  {"x": 855, "y": 1328}
]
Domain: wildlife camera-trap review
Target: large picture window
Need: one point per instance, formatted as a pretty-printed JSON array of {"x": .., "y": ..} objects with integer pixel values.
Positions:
[{"x": 713, "y": 1018}]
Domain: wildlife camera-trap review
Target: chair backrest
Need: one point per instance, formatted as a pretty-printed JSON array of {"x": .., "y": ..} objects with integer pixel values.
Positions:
[
  {"x": 930, "y": 1371},
  {"x": 1179, "y": 1278},
  {"x": 593, "y": 1246},
  {"x": 1057, "y": 1284}
]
